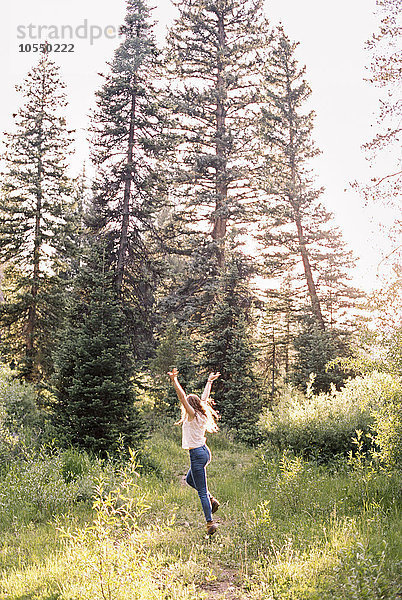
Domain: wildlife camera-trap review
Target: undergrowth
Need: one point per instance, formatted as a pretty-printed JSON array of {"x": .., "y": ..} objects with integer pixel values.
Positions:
[{"x": 289, "y": 528}]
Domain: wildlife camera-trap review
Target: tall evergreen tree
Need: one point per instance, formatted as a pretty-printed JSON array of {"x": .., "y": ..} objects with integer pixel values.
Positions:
[
  {"x": 176, "y": 347},
  {"x": 297, "y": 232},
  {"x": 314, "y": 350},
  {"x": 278, "y": 327},
  {"x": 35, "y": 220},
  {"x": 385, "y": 72},
  {"x": 214, "y": 52},
  {"x": 95, "y": 403},
  {"x": 383, "y": 150},
  {"x": 80, "y": 209},
  {"x": 129, "y": 128},
  {"x": 228, "y": 348}
]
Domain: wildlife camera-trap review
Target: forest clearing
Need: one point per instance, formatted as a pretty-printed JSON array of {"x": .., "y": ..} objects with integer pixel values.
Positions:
[
  {"x": 288, "y": 528},
  {"x": 195, "y": 243}
]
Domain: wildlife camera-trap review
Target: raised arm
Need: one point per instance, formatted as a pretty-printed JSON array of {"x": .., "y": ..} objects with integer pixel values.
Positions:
[
  {"x": 207, "y": 389},
  {"x": 181, "y": 394}
]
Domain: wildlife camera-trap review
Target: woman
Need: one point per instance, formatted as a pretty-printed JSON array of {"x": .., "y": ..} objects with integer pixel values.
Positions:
[{"x": 197, "y": 417}]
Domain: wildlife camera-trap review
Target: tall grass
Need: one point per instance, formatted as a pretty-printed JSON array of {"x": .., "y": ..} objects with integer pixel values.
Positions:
[{"x": 289, "y": 529}]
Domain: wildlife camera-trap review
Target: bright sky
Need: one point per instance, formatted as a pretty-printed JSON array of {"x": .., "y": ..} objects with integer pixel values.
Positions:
[{"x": 331, "y": 36}]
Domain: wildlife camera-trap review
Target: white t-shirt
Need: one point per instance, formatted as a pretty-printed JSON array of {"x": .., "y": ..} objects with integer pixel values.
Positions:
[{"x": 194, "y": 431}]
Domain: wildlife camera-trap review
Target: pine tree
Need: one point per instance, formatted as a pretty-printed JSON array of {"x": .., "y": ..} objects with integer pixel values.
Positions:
[
  {"x": 296, "y": 229},
  {"x": 383, "y": 150},
  {"x": 315, "y": 349},
  {"x": 385, "y": 73},
  {"x": 278, "y": 326},
  {"x": 190, "y": 287},
  {"x": 129, "y": 141},
  {"x": 35, "y": 221},
  {"x": 175, "y": 348},
  {"x": 213, "y": 51},
  {"x": 80, "y": 210},
  {"x": 229, "y": 349},
  {"x": 95, "y": 403}
]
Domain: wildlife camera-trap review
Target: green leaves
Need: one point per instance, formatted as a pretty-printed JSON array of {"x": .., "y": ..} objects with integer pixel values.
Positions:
[
  {"x": 95, "y": 407},
  {"x": 36, "y": 220},
  {"x": 214, "y": 78}
]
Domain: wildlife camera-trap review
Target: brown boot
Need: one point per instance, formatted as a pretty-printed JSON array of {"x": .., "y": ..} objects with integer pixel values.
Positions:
[
  {"x": 211, "y": 527},
  {"x": 214, "y": 504}
]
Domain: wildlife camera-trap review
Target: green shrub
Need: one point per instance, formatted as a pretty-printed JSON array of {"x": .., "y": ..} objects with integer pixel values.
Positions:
[
  {"x": 20, "y": 419},
  {"x": 388, "y": 424},
  {"x": 364, "y": 573},
  {"x": 19, "y": 401},
  {"x": 42, "y": 486},
  {"x": 74, "y": 465},
  {"x": 8, "y": 443},
  {"x": 381, "y": 394},
  {"x": 324, "y": 425}
]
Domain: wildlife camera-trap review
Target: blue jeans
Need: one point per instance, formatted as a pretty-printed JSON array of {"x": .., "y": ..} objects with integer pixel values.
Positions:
[{"x": 197, "y": 477}]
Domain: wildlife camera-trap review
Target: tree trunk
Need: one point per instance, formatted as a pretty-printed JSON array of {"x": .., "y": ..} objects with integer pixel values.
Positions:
[
  {"x": 122, "y": 253},
  {"x": 31, "y": 322},
  {"x": 32, "y": 311},
  {"x": 221, "y": 187},
  {"x": 287, "y": 340},
  {"x": 315, "y": 301},
  {"x": 273, "y": 366},
  {"x": 1, "y": 291}
]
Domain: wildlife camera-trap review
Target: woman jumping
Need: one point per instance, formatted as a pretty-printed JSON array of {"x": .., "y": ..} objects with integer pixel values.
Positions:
[{"x": 197, "y": 417}]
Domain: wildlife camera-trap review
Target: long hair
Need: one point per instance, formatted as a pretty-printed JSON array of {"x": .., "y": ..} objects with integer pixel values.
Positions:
[{"x": 201, "y": 408}]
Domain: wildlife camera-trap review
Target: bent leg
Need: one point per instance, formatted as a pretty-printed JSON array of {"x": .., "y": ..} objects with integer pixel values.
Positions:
[
  {"x": 199, "y": 459},
  {"x": 190, "y": 480}
]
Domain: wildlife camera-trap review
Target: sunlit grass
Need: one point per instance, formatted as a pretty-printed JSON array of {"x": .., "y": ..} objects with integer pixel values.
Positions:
[{"x": 288, "y": 530}]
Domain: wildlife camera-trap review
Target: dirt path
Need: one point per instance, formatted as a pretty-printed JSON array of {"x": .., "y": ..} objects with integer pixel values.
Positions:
[{"x": 225, "y": 587}]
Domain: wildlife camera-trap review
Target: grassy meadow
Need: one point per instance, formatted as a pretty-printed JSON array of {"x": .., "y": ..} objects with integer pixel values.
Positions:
[{"x": 75, "y": 528}]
